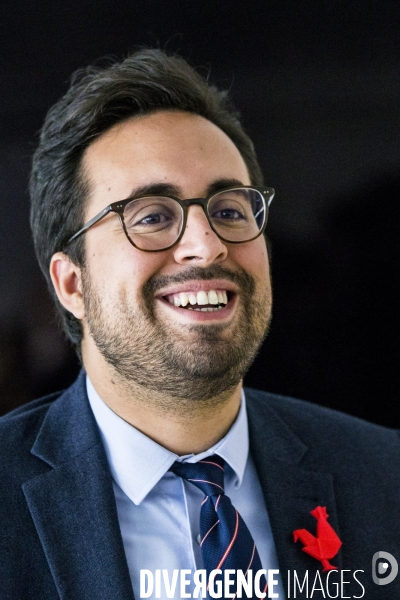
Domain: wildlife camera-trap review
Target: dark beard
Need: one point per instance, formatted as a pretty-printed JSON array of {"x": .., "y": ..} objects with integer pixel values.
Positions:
[{"x": 144, "y": 351}]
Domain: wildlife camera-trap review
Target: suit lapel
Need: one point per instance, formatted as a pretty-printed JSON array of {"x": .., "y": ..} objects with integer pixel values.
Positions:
[
  {"x": 290, "y": 490},
  {"x": 73, "y": 505}
]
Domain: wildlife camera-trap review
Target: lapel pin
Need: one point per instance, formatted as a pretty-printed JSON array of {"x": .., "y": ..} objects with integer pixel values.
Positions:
[{"x": 323, "y": 546}]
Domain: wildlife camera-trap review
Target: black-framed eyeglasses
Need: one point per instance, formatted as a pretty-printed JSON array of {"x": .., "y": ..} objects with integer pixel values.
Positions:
[{"x": 153, "y": 223}]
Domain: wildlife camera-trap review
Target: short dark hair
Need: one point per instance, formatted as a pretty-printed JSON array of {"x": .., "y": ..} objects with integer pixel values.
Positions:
[{"x": 98, "y": 98}]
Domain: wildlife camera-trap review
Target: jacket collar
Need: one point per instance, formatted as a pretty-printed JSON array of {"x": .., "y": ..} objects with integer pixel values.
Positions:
[{"x": 73, "y": 505}]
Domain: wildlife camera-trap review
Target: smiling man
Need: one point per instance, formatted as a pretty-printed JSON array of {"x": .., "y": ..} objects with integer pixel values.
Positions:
[
  {"x": 156, "y": 474},
  {"x": 173, "y": 322}
]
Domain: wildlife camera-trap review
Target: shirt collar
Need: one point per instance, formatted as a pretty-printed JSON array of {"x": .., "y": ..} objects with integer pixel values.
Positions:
[{"x": 138, "y": 463}]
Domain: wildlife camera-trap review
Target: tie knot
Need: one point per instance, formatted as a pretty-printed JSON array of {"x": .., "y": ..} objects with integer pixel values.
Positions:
[{"x": 207, "y": 474}]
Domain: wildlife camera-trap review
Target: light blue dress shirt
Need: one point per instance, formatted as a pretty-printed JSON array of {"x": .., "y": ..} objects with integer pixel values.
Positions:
[{"x": 159, "y": 513}]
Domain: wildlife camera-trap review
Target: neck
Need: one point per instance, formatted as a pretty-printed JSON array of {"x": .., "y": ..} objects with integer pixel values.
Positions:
[{"x": 182, "y": 426}]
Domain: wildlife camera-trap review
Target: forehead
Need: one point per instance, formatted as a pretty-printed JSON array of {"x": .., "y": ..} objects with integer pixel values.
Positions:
[{"x": 174, "y": 147}]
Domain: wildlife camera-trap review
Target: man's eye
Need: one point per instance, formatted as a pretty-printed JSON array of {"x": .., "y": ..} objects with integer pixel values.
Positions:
[
  {"x": 228, "y": 213},
  {"x": 152, "y": 219}
]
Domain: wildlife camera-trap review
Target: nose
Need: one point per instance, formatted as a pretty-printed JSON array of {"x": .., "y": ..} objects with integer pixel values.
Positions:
[{"x": 199, "y": 243}]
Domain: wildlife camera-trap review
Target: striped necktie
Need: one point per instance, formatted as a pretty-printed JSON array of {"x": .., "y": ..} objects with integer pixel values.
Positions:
[{"x": 226, "y": 542}]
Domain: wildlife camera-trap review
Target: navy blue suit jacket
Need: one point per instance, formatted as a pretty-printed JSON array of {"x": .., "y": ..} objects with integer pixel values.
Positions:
[{"x": 59, "y": 532}]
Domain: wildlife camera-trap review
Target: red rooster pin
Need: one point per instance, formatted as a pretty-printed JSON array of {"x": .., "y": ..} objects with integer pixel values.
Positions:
[{"x": 325, "y": 545}]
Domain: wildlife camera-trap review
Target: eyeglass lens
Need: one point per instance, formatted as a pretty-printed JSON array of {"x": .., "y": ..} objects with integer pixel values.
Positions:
[{"x": 155, "y": 222}]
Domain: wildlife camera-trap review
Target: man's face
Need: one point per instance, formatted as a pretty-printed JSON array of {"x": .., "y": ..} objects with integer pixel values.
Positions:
[{"x": 130, "y": 296}]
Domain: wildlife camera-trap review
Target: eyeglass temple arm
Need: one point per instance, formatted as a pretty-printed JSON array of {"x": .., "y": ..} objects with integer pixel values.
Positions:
[{"x": 89, "y": 224}]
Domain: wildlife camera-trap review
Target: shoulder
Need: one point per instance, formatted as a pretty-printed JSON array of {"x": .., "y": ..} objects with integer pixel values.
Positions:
[
  {"x": 28, "y": 417},
  {"x": 18, "y": 431},
  {"x": 52, "y": 424},
  {"x": 320, "y": 427}
]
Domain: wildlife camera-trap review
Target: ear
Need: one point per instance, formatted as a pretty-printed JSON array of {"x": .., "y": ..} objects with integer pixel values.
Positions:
[{"x": 67, "y": 281}]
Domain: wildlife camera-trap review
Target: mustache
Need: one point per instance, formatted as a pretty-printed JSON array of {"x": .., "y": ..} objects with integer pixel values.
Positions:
[{"x": 240, "y": 277}]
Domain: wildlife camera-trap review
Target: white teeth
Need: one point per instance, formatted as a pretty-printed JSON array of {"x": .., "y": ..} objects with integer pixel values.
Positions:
[
  {"x": 202, "y": 298},
  {"x": 206, "y": 309},
  {"x": 212, "y": 297},
  {"x": 184, "y": 298}
]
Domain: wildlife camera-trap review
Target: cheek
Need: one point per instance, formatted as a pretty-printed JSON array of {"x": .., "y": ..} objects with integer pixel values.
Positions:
[
  {"x": 253, "y": 258},
  {"x": 120, "y": 269}
]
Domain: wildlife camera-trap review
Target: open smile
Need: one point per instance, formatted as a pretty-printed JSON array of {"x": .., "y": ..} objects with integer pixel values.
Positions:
[
  {"x": 202, "y": 297},
  {"x": 204, "y": 301}
]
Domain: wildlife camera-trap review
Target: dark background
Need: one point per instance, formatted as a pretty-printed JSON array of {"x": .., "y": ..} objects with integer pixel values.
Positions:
[{"x": 317, "y": 84}]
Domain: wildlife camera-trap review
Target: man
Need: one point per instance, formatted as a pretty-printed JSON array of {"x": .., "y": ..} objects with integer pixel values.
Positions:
[{"x": 148, "y": 212}]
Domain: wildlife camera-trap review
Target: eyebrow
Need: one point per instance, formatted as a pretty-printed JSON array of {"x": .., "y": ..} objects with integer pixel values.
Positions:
[{"x": 168, "y": 189}]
